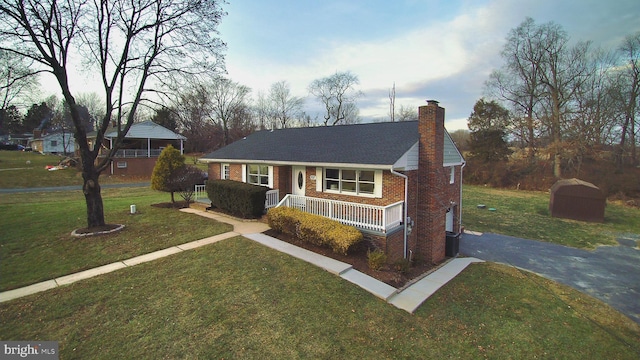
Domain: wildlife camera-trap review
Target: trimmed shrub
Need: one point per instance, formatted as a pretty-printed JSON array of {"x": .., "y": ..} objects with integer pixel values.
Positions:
[
  {"x": 238, "y": 198},
  {"x": 314, "y": 229},
  {"x": 376, "y": 259}
]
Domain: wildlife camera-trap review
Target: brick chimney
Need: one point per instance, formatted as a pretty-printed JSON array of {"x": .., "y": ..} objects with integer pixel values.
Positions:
[{"x": 431, "y": 207}]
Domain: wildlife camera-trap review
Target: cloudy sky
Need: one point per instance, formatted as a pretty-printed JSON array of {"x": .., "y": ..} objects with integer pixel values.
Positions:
[{"x": 441, "y": 50}]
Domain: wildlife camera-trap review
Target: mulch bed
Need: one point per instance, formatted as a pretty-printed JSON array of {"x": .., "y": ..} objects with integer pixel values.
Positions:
[
  {"x": 357, "y": 257},
  {"x": 170, "y": 205}
]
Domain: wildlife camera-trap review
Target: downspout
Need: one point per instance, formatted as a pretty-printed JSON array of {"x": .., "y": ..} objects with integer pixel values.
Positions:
[
  {"x": 406, "y": 199},
  {"x": 464, "y": 163}
]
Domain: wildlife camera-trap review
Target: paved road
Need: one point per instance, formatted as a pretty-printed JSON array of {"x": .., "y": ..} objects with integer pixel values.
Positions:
[
  {"x": 70, "y": 188},
  {"x": 609, "y": 273}
]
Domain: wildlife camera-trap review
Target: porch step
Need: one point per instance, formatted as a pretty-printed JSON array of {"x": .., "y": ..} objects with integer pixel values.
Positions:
[{"x": 333, "y": 266}]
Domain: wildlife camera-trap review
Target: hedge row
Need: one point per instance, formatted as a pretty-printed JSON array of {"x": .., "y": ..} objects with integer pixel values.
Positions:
[
  {"x": 314, "y": 229},
  {"x": 238, "y": 198}
]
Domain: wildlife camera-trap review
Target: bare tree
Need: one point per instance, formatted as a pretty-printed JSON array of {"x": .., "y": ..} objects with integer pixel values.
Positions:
[
  {"x": 541, "y": 79},
  {"x": 407, "y": 113},
  {"x": 193, "y": 112},
  {"x": 227, "y": 99},
  {"x": 629, "y": 93},
  {"x": 285, "y": 106},
  {"x": 338, "y": 95},
  {"x": 17, "y": 79},
  {"x": 264, "y": 112},
  {"x": 135, "y": 46},
  {"x": 517, "y": 82}
]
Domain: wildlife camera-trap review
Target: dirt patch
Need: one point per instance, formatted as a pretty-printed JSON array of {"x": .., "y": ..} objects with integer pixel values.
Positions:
[{"x": 357, "y": 257}]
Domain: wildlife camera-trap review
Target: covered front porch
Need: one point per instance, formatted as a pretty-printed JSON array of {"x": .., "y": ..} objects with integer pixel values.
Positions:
[
  {"x": 362, "y": 216},
  {"x": 379, "y": 219}
]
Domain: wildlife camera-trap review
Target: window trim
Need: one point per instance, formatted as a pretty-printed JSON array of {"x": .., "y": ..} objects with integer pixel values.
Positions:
[
  {"x": 376, "y": 182},
  {"x": 269, "y": 175},
  {"x": 225, "y": 171}
]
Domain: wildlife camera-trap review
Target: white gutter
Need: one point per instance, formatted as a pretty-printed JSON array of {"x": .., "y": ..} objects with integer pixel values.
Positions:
[{"x": 406, "y": 198}]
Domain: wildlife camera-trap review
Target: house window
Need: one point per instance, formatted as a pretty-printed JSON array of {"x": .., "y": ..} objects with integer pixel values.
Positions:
[
  {"x": 357, "y": 182},
  {"x": 225, "y": 173},
  {"x": 121, "y": 164},
  {"x": 452, "y": 175},
  {"x": 258, "y": 175},
  {"x": 54, "y": 143}
]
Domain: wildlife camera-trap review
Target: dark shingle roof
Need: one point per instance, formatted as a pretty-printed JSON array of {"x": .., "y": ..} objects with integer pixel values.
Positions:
[{"x": 365, "y": 144}]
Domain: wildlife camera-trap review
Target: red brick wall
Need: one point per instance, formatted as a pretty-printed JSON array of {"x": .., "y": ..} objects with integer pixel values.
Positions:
[
  {"x": 135, "y": 166},
  {"x": 392, "y": 190}
]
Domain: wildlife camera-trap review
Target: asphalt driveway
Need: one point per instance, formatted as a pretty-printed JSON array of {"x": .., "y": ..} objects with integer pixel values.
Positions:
[{"x": 609, "y": 273}]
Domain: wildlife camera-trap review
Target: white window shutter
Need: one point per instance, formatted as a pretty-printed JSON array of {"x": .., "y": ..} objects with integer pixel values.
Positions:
[
  {"x": 319, "y": 179},
  {"x": 270, "y": 177},
  {"x": 244, "y": 173},
  {"x": 378, "y": 184}
]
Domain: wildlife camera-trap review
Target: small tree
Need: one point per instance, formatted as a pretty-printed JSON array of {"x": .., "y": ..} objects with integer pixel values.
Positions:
[
  {"x": 184, "y": 181},
  {"x": 169, "y": 161}
]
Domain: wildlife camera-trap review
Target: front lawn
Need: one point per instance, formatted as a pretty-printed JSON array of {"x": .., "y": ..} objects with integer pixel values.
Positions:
[
  {"x": 36, "y": 244},
  {"x": 526, "y": 214},
  {"x": 238, "y": 299}
]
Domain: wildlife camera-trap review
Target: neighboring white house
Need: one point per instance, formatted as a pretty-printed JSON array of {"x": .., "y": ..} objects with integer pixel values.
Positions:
[{"x": 56, "y": 143}]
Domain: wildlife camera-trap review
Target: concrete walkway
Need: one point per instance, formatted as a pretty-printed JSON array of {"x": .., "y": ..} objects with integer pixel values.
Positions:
[{"x": 409, "y": 299}]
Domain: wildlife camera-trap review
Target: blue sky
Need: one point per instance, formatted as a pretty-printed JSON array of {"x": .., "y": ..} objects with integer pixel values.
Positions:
[{"x": 441, "y": 50}]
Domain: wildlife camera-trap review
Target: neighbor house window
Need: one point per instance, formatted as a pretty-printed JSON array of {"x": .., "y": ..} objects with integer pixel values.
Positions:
[
  {"x": 121, "y": 164},
  {"x": 54, "y": 143},
  {"x": 452, "y": 175},
  {"x": 358, "y": 182},
  {"x": 225, "y": 173},
  {"x": 258, "y": 174}
]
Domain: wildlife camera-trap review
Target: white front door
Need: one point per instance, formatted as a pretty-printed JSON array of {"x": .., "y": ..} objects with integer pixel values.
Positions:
[{"x": 299, "y": 181}]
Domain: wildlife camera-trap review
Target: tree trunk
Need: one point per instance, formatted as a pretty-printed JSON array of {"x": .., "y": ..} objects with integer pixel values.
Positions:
[{"x": 93, "y": 198}]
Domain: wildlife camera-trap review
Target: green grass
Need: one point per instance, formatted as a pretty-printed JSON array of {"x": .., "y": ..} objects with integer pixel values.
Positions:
[
  {"x": 36, "y": 244},
  {"x": 238, "y": 299},
  {"x": 526, "y": 214},
  {"x": 15, "y": 172}
]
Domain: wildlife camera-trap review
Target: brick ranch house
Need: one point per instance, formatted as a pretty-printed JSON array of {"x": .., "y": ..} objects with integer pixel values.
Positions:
[{"x": 398, "y": 182}]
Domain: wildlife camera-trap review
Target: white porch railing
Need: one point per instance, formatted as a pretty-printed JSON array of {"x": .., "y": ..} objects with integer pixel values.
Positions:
[
  {"x": 201, "y": 193},
  {"x": 363, "y": 216},
  {"x": 137, "y": 153},
  {"x": 273, "y": 196}
]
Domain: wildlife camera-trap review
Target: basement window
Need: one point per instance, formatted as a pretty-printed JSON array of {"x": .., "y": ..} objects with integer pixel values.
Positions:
[{"x": 121, "y": 164}]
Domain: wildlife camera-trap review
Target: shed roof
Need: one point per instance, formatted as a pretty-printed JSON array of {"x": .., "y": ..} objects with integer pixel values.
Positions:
[
  {"x": 576, "y": 187},
  {"x": 147, "y": 130},
  {"x": 371, "y": 144}
]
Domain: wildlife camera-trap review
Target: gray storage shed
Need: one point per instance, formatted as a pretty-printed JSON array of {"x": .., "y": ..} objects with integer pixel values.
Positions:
[{"x": 578, "y": 200}]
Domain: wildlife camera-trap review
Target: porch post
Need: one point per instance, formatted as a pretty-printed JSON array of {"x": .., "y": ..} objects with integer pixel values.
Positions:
[{"x": 148, "y": 147}]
